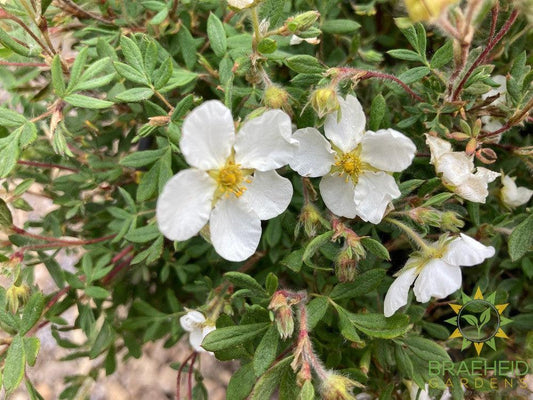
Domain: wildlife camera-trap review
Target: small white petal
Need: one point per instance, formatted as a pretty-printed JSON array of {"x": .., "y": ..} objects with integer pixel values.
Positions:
[
  {"x": 415, "y": 395},
  {"x": 437, "y": 147},
  {"x": 396, "y": 296},
  {"x": 474, "y": 187},
  {"x": 346, "y": 133},
  {"x": 387, "y": 150},
  {"x": 373, "y": 192},
  {"x": 295, "y": 40},
  {"x": 235, "y": 229},
  {"x": 313, "y": 156},
  {"x": 491, "y": 124},
  {"x": 240, "y": 4},
  {"x": 486, "y": 174},
  {"x": 465, "y": 251},
  {"x": 264, "y": 143},
  {"x": 207, "y": 136},
  {"x": 512, "y": 195},
  {"x": 437, "y": 279},
  {"x": 455, "y": 167},
  {"x": 192, "y": 320},
  {"x": 184, "y": 205},
  {"x": 337, "y": 193},
  {"x": 196, "y": 338},
  {"x": 501, "y": 90},
  {"x": 268, "y": 194}
]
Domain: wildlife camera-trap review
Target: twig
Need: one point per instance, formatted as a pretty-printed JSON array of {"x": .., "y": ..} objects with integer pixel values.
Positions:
[
  {"x": 180, "y": 370},
  {"x": 23, "y": 64},
  {"x": 45, "y": 165}
]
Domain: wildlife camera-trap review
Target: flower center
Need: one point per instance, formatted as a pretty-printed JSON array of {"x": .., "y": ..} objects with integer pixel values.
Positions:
[
  {"x": 230, "y": 180},
  {"x": 348, "y": 164}
]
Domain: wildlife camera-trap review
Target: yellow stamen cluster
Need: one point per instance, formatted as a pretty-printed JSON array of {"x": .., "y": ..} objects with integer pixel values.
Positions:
[
  {"x": 230, "y": 180},
  {"x": 348, "y": 164}
]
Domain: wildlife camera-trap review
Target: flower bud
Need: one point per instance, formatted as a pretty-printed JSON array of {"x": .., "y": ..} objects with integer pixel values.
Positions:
[
  {"x": 280, "y": 304},
  {"x": 324, "y": 101},
  {"x": 451, "y": 222},
  {"x": 160, "y": 120},
  {"x": 302, "y": 22},
  {"x": 471, "y": 147},
  {"x": 310, "y": 219},
  {"x": 276, "y": 97},
  {"x": 345, "y": 266},
  {"x": 17, "y": 296},
  {"x": 427, "y": 10},
  {"x": 337, "y": 387},
  {"x": 426, "y": 216},
  {"x": 486, "y": 155}
]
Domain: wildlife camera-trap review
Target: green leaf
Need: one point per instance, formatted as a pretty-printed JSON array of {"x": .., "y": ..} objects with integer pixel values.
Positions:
[
  {"x": 272, "y": 11},
  {"x": 8, "y": 158},
  {"x": 267, "y": 46},
  {"x": 10, "y": 118},
  {"x": 377, "y": 325},
  {"x": 142, "y": 158},
  {"x": 77, "y": 69},
  {"x": 346, "y": 326},
  {"x": 6, "y": 219},
  {"x": 304, "y": 64},
  {"x": 377, "y": 112},
  {"x": 82, "y": 101},
  {"x": 294, "y": 260},
  {"x": 32, "y": 346},
  {"x": 521, "y": 239},
  {"x": 150, "y": 57},
  {"x": 271, "y": 283},
  {"x": 314, "y": 245},
  {"x": 132, "y": 53},
  {"x": 58, "y": 80},
  {"x": 245, "y": 281},
  {"x": 414, "y": 74},
  {"x": 32, "y": 312},
  {"x": 14, "y": 364},
  {"x": 363, "y": 284},
  {"x": 105, "y": 338},
  {"x": 266, "y": 352},
  {"x": 187, "y": 45},
  {"x": 131, "y": 73},
  {"x": 97, "y": 292},
  {"x": 266, "y": 385},
  {"x": 316, "y": 309},
  {"x": 408, "y": 55},
  {"x": 95, "y": 83},
  {"x": 216, "y": 35},
  {"x": 241, "y": 383},
  {"x": 15, "y": 46},
  {"x": 437, "y": 199},
  {"x": 443, "y": 55},
  {"x": 426, "y": 349},
  {"x": 143, "y": 234},
  {"x": 307, "y": 392},
  {"x": 163, "y": 73},
  {"x": 404, "y": 363},
  {"x": 225, "y": 338},
  {"x": 340, "y": 26},
  {"x": 134, "y": 95},
  {"x": 375, "y": 248}
]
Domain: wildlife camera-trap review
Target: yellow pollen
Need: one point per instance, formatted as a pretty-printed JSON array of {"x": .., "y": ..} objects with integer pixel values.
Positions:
[
  {"x": 230, "y": 180},
  {"x": 349, "y": 164}
]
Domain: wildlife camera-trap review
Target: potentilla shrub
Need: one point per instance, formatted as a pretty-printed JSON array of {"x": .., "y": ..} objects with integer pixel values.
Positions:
[{"x": 334, "y": 194}]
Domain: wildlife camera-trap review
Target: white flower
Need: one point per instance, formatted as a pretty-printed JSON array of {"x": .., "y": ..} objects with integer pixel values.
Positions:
[
  {"x": 355, "y": 166},
  {"x": 240, "y": 4},
  {"x": 457, "y": 170},
  {"x": 233, "y": 183},
  {"x": 424, "y": 393},
  {"x": 295, "y": 39},
  {"x": 437, "y": 274},
  {"x": 195, "y": 323},
  {"x": 513, "y": 196},
  {"x": 490, "y": 123}
]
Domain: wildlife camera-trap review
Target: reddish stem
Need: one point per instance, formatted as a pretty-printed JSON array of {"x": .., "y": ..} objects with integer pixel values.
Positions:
[
  {"x": 189, "y": 376},
  {"x": 45, "y": 165},
  {"x": 114, "y": 272},
  {"x": 180, "y": 370},
  {"x": 381, "y": 75},
  {"x": 23, "y": 64},
  {"x": 481, "y": 58},
  {"x": 56, "y": 242}
]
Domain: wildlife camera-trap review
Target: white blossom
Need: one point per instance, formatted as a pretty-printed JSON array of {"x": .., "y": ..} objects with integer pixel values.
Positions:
[
  {"x": 414, "y": 390},
  {"x": 232, "y": 184},
  {"x": 437, "y": 274},
  {"x": 198, "y": 327},
  {"x": 295, "y": 39},
  {"x": 458, "y": 172},
  {"x": 513, "y": 196},
  {"x": 240, "y": 4},
  {"x": 355, "y": 166}
]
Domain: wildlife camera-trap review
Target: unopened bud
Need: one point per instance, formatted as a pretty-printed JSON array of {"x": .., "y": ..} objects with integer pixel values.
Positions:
[
  {"x": 160, "y": 120},
  {"x": 486, "y": 155},
  {"x": 281, "y": 305},
  {"x": 325, "y": 101},
  {"x": 471, "y": 147},
  {"x": 427, "y": 10},
  {"x": 451, "y": 222},
  {"x": 426, "y": 216},
  {"x": 338, "y": 387},
  {"x": 310, "y": 219},
  {"x": 459, "y": 136},
  {"x": 345, "y": 267},
  {"x": 276, "y": 97},
  {"x": 302, "y": 22},
  {"x": 17, "y": 296}
]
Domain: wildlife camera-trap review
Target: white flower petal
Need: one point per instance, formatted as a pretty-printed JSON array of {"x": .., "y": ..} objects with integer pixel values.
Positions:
[
  {"x": 337, "y": 193},
  {"x": 388, "y": 150},
  {"x": 373, "y": 193},
  {"x": 196, "y": 338},
  {"x": 396, "y": 296},
  {"x": 264, "y": 143},
  {"x": 474, "y": 187},
  {"x": 501, "y": 90},
  {"x": 240, "y": 4},
  {"x": 313, "y": 156},
  {"x": 235, "y": 229},
  {"x": 268, "y": 194},
  {"x": 415, "y": 393},
  {"x": 455, "y": 167},
  {"x": 207, "y": 136},
  {"x": 437, "y": 279},
  {"x": 192, "y": 320},
  {"x": 295, "y": 40},
  {"x": 346, "y": 133},
  {"x": 513, "y": 196},
  {"x": 486, "y": 174},
  {"x": 437, "y": 147},
  {"x": 491, "y": 124},
  {"x": 465, "y": 251},
  {"x": 184, "y": 205}
]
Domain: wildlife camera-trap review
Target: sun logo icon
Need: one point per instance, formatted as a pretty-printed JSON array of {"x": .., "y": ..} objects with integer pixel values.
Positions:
[{"x": 479, "y": 321}]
